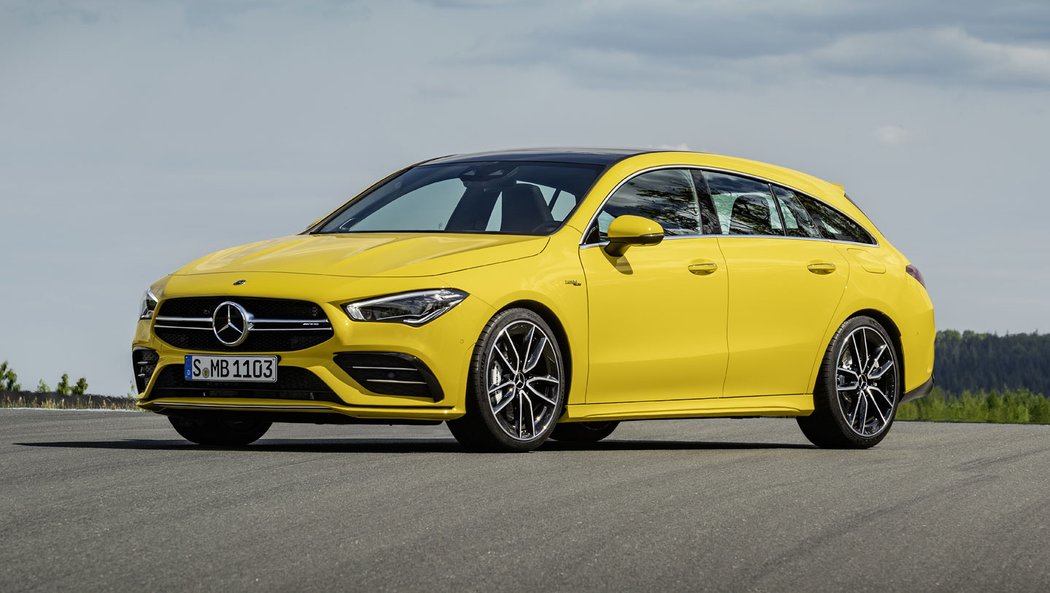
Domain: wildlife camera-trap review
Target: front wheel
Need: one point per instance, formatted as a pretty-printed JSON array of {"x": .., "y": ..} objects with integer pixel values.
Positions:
[
  {"x": 516, "y": 387},
  {"x": 858, "y": 389},
  {"x": 219, "y": 432}
]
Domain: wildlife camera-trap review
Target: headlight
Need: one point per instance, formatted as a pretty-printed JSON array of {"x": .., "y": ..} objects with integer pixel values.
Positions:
[
  {"x": 149, "y": 305},
  {"x": 412, "y": 308}
]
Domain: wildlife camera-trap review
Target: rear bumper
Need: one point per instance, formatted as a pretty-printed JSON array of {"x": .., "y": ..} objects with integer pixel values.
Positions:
[{"x": 920, "y": 391}]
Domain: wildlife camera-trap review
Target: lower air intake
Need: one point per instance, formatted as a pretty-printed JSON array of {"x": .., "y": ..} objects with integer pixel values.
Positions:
[
  {"x": 390, "y": 373},
  {"x": 143, "y": 363}
]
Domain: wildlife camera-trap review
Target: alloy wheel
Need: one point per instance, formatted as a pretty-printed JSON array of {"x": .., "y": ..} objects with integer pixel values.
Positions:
[
  {"x": 866, "y": 381},
  {"x": 523, "y": 380}
]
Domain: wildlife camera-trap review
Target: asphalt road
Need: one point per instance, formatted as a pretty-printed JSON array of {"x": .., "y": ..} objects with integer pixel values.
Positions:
[{"x": 93, "y": 501}]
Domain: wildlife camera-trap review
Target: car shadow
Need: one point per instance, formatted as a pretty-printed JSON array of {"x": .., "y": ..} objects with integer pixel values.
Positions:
[{"x": 373, "y": 445}]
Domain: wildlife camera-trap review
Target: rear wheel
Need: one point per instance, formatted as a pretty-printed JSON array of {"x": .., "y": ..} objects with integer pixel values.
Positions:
[
  {"x": 858, "y": 389},
  {"x": 219, "y": 432},
  {"x": 516, "y": 387},
  {"x": 583, "y": 432}
]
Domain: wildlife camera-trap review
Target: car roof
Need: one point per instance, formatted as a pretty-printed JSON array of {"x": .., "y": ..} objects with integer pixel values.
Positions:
[{"x": 586, "y": 156}]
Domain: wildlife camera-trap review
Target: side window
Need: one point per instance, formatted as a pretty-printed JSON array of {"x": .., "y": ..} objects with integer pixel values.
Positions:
[
  {"x": 797, "y": 222},
  {"x": 666, "y": 196},
  {"x": 744, "y": 206},
  {"x": 834, "y": 224},
  {"x": 708, "y": 215}
]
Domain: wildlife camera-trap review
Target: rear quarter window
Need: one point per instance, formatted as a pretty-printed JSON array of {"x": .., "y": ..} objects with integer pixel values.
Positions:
[{"x": 835, "y": 225}]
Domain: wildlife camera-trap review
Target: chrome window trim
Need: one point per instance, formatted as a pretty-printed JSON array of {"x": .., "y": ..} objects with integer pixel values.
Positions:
[
  {"x": 737, "y": 173},
  {"x": 674, "y": 238}
]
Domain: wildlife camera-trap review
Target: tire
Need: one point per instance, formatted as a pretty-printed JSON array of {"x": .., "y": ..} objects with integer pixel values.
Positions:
[
  {"x": 219, "y": 432},
  {"x": 584, "y": 432},
  {"x": 858, "y": 388},
  {"x": 516, "y": 386}
]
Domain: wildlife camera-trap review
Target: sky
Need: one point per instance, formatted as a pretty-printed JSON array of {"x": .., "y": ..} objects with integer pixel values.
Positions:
[{"x": 137, "y": 136}]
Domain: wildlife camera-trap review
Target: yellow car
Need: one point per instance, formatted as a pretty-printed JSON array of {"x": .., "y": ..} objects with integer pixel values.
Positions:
[{"x": 534, "y": 294}]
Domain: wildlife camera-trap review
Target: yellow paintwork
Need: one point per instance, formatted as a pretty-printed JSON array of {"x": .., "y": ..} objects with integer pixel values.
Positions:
[
  {"x": 657, "y": 330},
  {"x": 628, "y": 226},
  {"x": 691, "y": 327},
  {"x": 778, "y": 311}
]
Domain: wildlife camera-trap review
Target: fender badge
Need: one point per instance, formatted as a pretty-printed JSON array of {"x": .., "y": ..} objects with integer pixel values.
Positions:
[
  {"x": 573, "y": 282},
  {"x": 239, "y": 282}
]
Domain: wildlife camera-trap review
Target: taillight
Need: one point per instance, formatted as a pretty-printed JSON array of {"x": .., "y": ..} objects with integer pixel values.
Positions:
[{"x": 915, "y": 273}]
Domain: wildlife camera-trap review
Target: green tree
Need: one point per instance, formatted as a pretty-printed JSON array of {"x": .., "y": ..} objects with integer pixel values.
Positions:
[
  {"x": 989, "y": 362},
  {"x": 81, "y": 387},
  {"x": 43, "y": 387},
  {"x": 8, "y": 378},
  {"x": 63, "y": 387}
]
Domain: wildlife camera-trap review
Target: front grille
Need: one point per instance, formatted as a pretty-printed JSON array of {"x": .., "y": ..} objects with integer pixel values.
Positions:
[
  {"x": 292, "y": 383},
  {"x": 390, "y": 373},
  {"x": 277, "y": 325}
]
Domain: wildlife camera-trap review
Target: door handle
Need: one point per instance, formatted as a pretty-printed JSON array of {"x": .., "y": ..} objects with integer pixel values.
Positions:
[
  {"x": 821, "y": 267},
  {"x": 703, "y": 269}
]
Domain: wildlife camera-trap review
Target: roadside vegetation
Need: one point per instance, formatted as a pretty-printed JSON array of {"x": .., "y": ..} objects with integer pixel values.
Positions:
[
  {"x": 65, "y": 395},
  {"x": 987, "y": 378},
  {"x": 1014, "y": 407},
  {"x": 971, "y": 361}
]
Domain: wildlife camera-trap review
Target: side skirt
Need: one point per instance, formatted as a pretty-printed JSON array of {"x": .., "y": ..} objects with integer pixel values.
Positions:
[{"x": 717, "y": 407}]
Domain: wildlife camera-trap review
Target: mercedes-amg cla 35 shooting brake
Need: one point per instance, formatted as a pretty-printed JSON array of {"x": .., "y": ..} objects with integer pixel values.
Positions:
[{"x": 534, "y": 294}]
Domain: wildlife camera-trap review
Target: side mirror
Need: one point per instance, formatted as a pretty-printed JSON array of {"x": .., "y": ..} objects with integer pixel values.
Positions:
[{"x": 628, "y": 230}]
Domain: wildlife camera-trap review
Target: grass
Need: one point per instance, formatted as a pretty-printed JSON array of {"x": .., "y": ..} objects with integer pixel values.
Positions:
[
  {"x": 55, "y": 401},
  {"x": 1008, "y": 407}
]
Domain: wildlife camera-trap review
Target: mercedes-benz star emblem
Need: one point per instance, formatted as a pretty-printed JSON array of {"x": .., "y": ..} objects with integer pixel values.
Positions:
[{"x": 231, "y": 323}]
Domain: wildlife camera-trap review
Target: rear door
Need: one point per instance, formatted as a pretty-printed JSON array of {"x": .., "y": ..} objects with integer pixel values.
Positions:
[{"x": 785, "y": 284}]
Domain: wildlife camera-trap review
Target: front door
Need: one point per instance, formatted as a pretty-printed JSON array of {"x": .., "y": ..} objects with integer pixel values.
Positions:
[{"x": 657, "y": 313}]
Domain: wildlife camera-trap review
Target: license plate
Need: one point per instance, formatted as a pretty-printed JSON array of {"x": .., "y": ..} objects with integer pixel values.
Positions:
[{"x": 258, "y": 369}]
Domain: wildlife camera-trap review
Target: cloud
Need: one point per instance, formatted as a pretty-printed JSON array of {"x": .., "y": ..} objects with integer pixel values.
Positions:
[
  {"x": 466, "y": 4},
  {"x": 893, "y": 135},
  {"x": 941, "y": 55},
  {"x": 700, "y": 44}
]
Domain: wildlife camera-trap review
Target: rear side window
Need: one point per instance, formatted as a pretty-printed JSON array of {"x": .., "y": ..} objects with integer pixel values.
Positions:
[
  {"x": 666, "y": 196},
  {"x": 744, "y": 206},
  {"x": 835, "y": 225},
  {"x": 797, "y": 221}
]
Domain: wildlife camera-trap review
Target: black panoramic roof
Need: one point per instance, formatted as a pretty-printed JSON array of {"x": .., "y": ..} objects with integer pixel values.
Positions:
[{"x": 586, "y": 156}]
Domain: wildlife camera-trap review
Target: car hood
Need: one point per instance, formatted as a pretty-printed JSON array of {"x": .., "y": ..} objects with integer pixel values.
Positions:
[{"x": 371, "y": 254}]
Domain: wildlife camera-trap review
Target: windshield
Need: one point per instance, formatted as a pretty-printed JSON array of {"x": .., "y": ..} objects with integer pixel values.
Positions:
[{"x": 520, "y": 198}]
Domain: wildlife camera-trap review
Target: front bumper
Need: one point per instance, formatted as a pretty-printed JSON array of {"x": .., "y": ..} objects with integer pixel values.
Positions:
[{"x": 442, "y": 348}]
